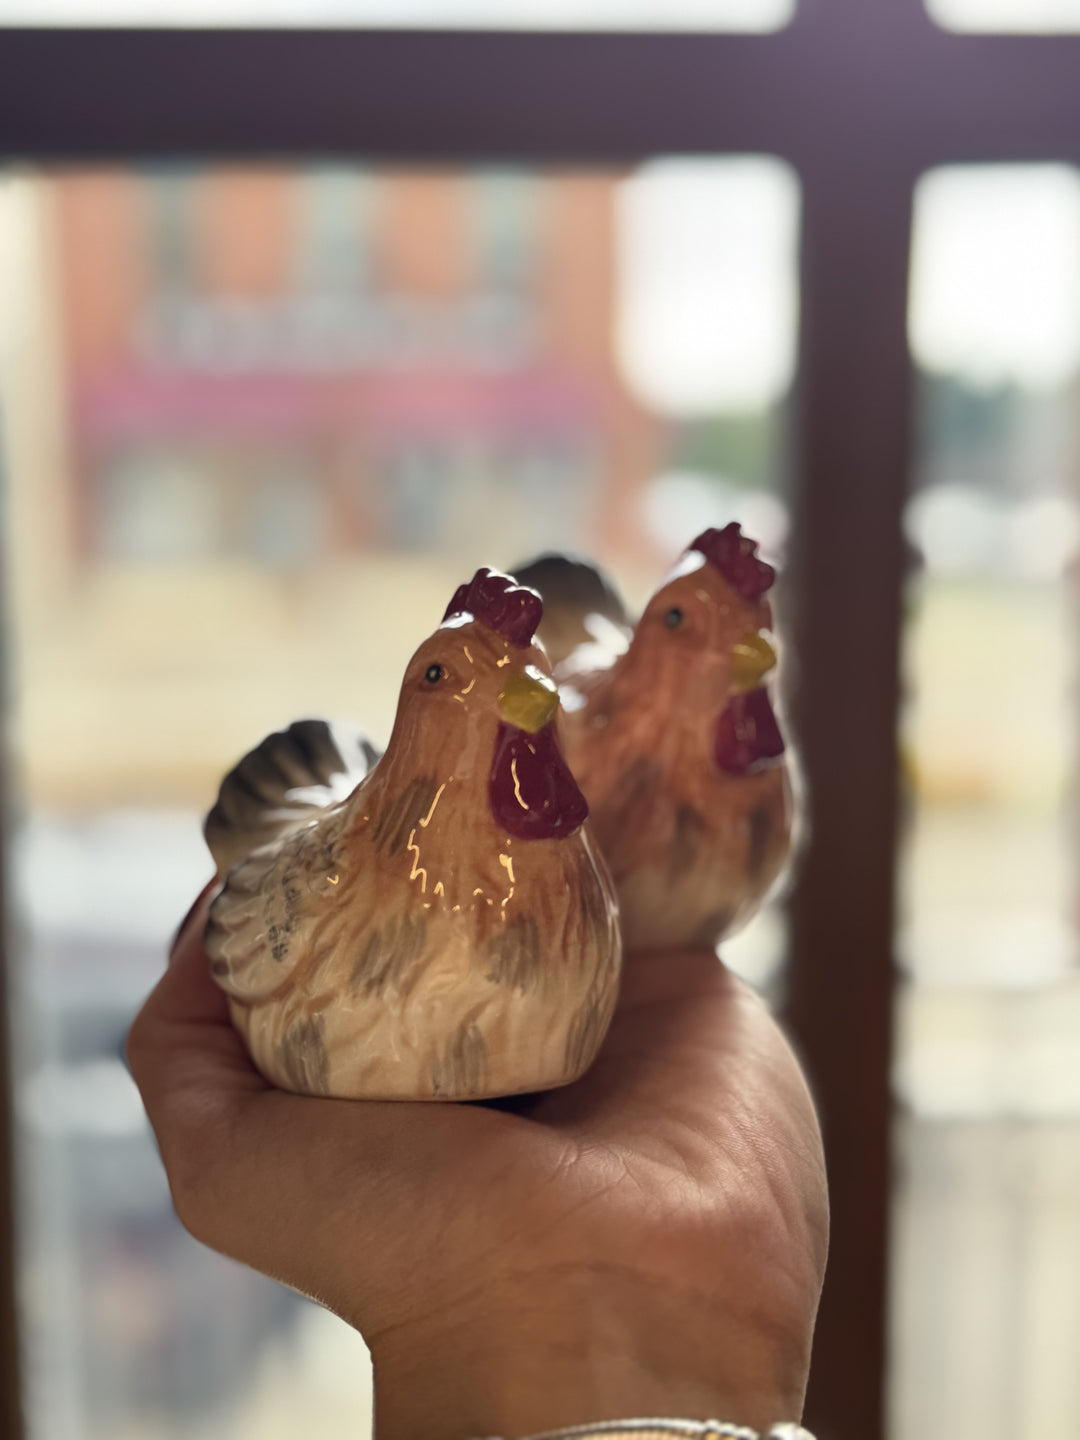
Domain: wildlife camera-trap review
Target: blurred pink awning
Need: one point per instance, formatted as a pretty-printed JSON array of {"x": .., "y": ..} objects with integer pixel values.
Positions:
[{"x": 132, "y": 405}]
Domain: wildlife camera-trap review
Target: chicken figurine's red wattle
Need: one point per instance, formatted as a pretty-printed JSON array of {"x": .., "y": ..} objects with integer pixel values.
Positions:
[
  {"x": 748, "y": 739},
  {"x": 434, "y": 924},
  {"x": 670, "y": 732},
  {"x": 533, "y": 795}
]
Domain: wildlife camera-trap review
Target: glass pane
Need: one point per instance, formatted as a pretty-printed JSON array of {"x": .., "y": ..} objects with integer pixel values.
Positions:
[
  {"x": 258, "y": 425},
  {"x": 986, "y": 1318},
  {"x": 755, "y": 15},
  {"x": 1053, "y": 16}
]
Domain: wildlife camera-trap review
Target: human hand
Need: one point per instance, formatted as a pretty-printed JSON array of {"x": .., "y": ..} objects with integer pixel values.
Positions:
[{"x": 649, "y": 1240}]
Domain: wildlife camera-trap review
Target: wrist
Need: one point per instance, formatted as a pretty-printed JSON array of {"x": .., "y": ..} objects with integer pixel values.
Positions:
[{"x": 587, "y": 1349}]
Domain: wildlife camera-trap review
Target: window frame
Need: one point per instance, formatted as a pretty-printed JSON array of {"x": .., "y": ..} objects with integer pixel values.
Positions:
[{"x": 860, "y": 99}]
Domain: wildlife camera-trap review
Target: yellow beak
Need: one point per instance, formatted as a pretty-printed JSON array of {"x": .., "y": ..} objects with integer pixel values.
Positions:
[
  {"x": 751, "y": 660},
  {"x": 529, "y": 700}
]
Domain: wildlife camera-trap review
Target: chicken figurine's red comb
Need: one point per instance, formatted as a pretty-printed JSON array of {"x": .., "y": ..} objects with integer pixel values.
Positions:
[
  {"x": 735, "y": 556},
  {"x": 510, "y": 609}
]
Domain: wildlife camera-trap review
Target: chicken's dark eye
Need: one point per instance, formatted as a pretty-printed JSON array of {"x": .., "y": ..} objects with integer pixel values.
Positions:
[
  {"x": 433, "y": 674},
  {"x": 674, "y": 618}
]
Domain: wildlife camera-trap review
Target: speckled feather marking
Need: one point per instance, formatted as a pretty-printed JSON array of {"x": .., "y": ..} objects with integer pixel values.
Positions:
[
  {"x": 389, "y": 956},
  {"x": 396, "y": 823},
  {"x": 585, "y": 1034},
  {"x": 461, "y": 1068},
  {"x": 517, "y": 956},
  {"x": 596, "y": 916},
  {"x": 686, "y": 839},
  {"x": 303, "y": 1056},
  {"x": 600, "y": 934},
  {"x": 632, "y": 798},
  {"x": 260, "y": 926}
]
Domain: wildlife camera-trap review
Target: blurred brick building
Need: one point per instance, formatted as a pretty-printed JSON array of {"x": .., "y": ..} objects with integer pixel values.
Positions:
[
  {"x": 294, "y": 364},
  {"x": 273, "y": 417}
]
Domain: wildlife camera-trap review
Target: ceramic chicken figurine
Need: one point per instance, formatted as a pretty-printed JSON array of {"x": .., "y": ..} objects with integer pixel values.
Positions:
[
  {"x": 435, "y": 924},
  {"x": 671, "y": 734}
]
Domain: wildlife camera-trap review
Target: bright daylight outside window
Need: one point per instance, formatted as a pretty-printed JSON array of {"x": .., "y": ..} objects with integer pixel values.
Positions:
[
  {"x": 987, "y": 1235},
  {"x": 754, "y": 15},
  {"x": 258, "y": 424},
  {"x": 1032, "y": 16}
]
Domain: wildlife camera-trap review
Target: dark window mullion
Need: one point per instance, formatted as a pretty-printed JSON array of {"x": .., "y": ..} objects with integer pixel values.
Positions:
[{"x": 853, "y": 447}]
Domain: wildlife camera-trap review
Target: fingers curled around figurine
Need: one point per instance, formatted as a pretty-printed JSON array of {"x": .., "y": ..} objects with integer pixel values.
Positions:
[
  {"x": 193, "y": 1072},
  {"x": 195, "y": 918},
  {"x": 186, "y": 991},
  {"x": 182, "y": 1049}
]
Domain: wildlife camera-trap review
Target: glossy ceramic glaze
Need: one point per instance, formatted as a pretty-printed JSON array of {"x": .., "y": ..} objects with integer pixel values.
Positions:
[
  {"x": 447, "y": 931},
  {"x": 678, "y": 751}
]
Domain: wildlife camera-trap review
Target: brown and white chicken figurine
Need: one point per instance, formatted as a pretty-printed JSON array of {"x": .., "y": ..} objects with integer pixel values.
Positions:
[
  {"x": 435, "y": 924},
  {"x": 670, "y": 732}
]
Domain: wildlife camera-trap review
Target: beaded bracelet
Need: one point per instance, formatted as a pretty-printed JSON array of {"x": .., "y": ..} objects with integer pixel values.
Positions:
[{"x": 659, "y": 1429}]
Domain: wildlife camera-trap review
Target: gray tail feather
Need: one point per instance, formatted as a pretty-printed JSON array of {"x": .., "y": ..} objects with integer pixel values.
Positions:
[
  {"x": 572, "y": 588},
  {"x": 283, "y": 784}
]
